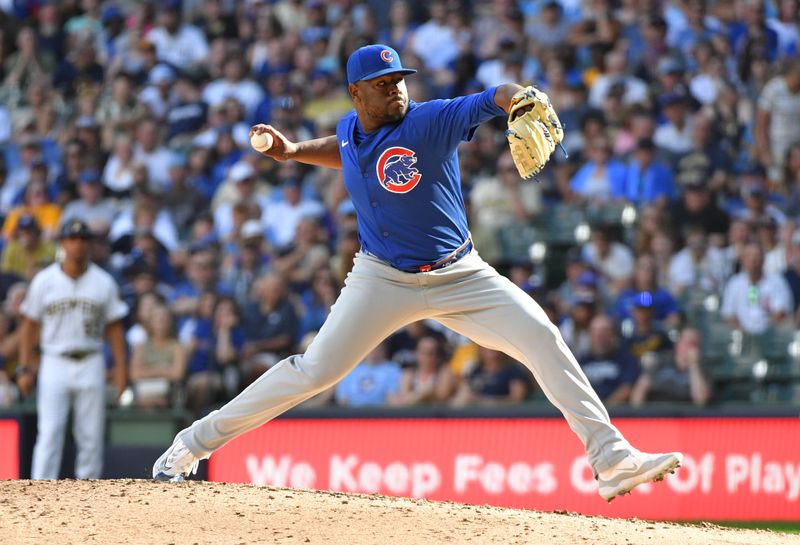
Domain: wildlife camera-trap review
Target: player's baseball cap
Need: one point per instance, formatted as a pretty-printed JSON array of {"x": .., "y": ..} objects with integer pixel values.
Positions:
[
  {"x": 75, "y": 228},
  {"x": 372, "y": 61}
]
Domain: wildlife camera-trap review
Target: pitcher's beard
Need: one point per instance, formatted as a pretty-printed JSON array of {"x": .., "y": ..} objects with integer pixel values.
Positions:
[{"x": 391, "y": 114}]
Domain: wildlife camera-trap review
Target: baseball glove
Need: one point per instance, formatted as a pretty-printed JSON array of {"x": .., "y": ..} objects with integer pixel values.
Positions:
[{"x": 533, "y": 133}]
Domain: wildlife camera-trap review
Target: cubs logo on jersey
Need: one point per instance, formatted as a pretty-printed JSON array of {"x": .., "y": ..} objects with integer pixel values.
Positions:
[{"x": 396, "y": 171}]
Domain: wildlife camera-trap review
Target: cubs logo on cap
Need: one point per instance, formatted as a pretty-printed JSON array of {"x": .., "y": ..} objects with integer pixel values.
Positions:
[
  {"x": 396, "y": 171},
  {"x": 372, "y": 61}
]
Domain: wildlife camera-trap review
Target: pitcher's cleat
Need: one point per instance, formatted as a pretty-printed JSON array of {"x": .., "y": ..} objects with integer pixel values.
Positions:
[
  {"x": 635, "y": 469},
  {"x": 176, "y": 463}
]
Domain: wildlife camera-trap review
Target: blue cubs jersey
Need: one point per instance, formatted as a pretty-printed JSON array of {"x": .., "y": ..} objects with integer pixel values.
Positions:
[{"x": 404, "y": 178}]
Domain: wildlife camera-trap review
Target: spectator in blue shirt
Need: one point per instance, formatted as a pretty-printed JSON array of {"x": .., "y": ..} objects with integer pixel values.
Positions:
[
  {"x": 271, "y": 326},
  {"x": 216, "y": 345},
  {"x": 200, "y": 276},
  {"x": 373, "y": 382},
  {"x": 198, "y": 164},
  {"x": 602, "y": 178},
  {"x": 648, "y": 180},
  {"x": 698, "y": 28},
  {"x": 317, "y": 301},
  {"x": 247, "y": 261},
  {"x": 647, "y": 340},
  {"x": 665, "y": 308},
  {"x": 610, "y": 369},
  {"x": 752, "y": 30}
]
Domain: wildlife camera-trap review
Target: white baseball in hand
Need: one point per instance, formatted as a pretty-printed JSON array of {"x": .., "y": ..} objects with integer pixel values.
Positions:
[{"x": 261, "y": 142}]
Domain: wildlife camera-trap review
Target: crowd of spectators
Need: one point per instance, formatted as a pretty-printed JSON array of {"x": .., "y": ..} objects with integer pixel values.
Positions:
[{"x": 674, "y": 213}]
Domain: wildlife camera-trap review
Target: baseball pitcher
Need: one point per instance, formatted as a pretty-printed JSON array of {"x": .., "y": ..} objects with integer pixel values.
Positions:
[
  {"x": 417, "y": 261},
  {"x": 70, "y": 307}
]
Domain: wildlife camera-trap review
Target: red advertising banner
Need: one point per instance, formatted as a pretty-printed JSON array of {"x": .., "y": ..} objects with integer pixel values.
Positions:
[
  {"x": 734, "y": 469},
  {"x": 9, "y": 449}
]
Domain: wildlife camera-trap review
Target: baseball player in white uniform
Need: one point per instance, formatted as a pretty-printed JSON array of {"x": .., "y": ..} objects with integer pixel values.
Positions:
[
  {"x": 71, "y": 306},
  {"x": 400, "y": 166}
]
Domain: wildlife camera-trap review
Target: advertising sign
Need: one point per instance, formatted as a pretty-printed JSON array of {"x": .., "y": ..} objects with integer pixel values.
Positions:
[{"x": 735, "y": 468}]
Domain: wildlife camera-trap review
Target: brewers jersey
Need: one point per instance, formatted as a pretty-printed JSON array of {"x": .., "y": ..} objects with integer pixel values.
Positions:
[{"x": 73, "y": 313}]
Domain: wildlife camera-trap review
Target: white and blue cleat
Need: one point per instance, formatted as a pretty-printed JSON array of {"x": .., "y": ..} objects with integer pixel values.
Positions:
[{"x": 176, "y": 463}]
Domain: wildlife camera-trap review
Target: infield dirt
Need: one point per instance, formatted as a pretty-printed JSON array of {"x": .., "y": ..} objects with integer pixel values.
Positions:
[{"x": 136, "y": 511}]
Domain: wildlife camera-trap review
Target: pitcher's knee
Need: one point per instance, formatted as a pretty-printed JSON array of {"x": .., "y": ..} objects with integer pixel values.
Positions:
[
  {"x": 318, "y": 375},
  {"x": 540, "y": 332}
]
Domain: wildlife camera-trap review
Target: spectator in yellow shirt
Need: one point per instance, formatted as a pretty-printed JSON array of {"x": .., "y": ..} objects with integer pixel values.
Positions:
[
  {"x": 36, "y": 203},
  {"x": 28, "y": 252}
]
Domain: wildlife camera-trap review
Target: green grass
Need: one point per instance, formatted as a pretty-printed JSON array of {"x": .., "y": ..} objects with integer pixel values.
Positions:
[{"x": 786, "y": 527}]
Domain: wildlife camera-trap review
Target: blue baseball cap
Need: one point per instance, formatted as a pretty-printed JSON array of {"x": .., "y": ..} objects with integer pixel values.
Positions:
[
  {"x": 111, "y": 13},
  {"x": 644, "y": 299},
  {"x": 90, "y": 176},
  {"x": 588, "y": 278},
  {"x": 372, "y": 61},
  {"x": 28, "y": 222}
]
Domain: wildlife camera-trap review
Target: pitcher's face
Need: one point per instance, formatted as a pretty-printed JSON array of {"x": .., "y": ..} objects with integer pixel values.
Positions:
[{"x": 384, "y": 99}]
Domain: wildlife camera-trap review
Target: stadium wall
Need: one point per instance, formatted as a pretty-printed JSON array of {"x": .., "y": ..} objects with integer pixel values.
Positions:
[{"x": 735, "y": 468}]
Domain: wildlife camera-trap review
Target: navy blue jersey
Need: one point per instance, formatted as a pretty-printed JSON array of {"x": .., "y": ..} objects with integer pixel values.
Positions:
[{"x": 404, "y": 178}]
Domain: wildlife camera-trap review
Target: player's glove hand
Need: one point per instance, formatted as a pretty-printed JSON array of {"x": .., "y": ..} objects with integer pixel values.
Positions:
[{"x": 534, "y": 130}]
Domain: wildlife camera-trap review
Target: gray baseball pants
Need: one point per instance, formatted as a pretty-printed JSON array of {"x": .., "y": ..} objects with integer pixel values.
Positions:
[
  {"x": 65, "y": 383},
  {"x": 469, "y": 297}
]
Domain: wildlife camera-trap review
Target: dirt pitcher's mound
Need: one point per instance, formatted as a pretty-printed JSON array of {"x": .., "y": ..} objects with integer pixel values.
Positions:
[{"x": 133, "y": 511}]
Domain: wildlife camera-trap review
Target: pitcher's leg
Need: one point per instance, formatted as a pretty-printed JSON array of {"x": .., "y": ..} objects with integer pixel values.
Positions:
[
  {"x": 507, "y": 319},
  {"x": 368, "y": 310}
]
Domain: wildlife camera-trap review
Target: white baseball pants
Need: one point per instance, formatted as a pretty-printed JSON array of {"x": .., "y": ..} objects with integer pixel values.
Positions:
[
  {"x": 469, "y": 297},
  {"x": 65, "y": 383}
]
